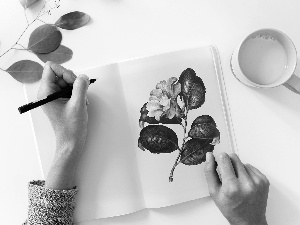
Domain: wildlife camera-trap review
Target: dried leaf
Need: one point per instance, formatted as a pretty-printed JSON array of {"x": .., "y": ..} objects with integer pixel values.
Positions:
[
  {"x": 27, "y": 3},
  {"x": 158, "y": 139},
  {"x": 192, "y": 89},
  {"x": 44, "y": 39},
  {"x": 194, "y": 151},
  {"x": 26, "y": 71},
  {"x": 72, "y": 20},
  {"x": 151, "y": 120},
  {"x": 61, "y": 55}
]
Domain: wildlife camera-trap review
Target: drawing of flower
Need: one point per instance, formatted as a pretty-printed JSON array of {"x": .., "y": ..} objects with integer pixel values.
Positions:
[
  {"x": 162, "y": 108},
  {"x": 162, "y": 100}
]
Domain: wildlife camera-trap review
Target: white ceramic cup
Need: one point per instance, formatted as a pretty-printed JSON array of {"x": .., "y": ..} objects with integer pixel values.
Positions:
[{"x": 266, "y": 58}]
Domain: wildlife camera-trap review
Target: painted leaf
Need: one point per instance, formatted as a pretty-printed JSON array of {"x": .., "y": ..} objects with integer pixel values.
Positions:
[
  {"x": 194, "y": 151},
  {"x": 26, "y": 71},
  {"x": 216, "y": 137},
  {"x": 158, "y": 139},
  {"x": 61, "y": 55},
  {"x": 192, "y": 89},
  {"x": 204, "y": 119},
  {"x": 27, "y": 3},
  {"x": 151, "y": 120},
  {"x": 44, "y": 39},
  {"x": 203, "y": 127},
  {"x": 72, "y": 20}
]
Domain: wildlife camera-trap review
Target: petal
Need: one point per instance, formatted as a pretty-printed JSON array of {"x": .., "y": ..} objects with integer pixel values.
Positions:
[
  {"x": 164, "y": 101},
  {"x": 176, "y": 90},
  {"x": 156, "y": 92},
  {"x": 153, "y": 105},
  {"x": 170, "y": 85},
  {"x": 153, "y": 98},
  {"x": 162, "y": 85},
  {"x": 156, "y": 113}
]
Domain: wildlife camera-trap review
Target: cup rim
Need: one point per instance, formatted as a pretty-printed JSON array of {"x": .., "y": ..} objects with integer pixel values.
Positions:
[{"x": 284, "y": 78}]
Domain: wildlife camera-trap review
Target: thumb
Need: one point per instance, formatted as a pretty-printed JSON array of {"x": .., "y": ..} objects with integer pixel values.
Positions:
[
  {"x": 80, "y": 87},
  {"x": 211, "y": 175}
]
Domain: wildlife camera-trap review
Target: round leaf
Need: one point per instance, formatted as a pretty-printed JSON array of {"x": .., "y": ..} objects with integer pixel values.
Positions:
[
  {"x": 26, "y": 71},
  {"x": 204, "y": 130},
  {"x": 158, "y": 139},
  {"x": 216, "y": 137},
  {"x": 72, "y": 20},
  {"x": 192, "y": 89},
  {"x": 27, "y": 3},
  {"x": 203, "y": 127},
  {"x": 61, "y": 55},
  {"x": 151, "y": 120},
  {"x": 44, "y": 39},
  {"x": 204, "y": 119},
  {"x": 194, "y": 151}
]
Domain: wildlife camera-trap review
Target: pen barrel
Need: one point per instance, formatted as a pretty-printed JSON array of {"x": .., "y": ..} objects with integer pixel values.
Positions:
[
  {"x": 61, "y": 94},
  {"x": 65, "y": 93},
  {"x": 32, "y": 105}
]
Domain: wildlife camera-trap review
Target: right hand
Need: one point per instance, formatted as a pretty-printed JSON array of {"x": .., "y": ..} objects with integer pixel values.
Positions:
[
  {"x": 68, "y": 117},
  {"x": 242, "y": 192}
]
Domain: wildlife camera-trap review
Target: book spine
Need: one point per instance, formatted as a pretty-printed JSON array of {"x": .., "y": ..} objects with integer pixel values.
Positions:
[{"x": 225, "y": 102}]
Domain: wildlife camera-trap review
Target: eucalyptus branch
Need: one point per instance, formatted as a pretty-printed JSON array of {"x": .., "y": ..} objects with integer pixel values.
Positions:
[
  {"x": 26, "y": 17},
  {"x": 22, "y": 46},
  {"x": 22, "y": 49},
  {"x": 42, "y": 21},
  {"x": 26, "y": 28}
]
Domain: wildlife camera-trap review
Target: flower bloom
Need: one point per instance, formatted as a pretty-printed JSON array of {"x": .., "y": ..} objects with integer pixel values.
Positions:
[{"x": 162, "y": 100}]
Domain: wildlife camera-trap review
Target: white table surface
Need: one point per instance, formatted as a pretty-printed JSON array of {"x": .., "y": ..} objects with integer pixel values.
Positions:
[{"x": 266, "y": 122}]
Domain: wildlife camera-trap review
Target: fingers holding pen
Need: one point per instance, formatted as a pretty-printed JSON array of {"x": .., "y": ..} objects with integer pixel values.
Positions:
[{"x": 55, "y": 73}]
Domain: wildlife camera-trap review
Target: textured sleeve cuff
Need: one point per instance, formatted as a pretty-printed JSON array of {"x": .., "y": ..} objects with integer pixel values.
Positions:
[{"x": 48, "y": 206}]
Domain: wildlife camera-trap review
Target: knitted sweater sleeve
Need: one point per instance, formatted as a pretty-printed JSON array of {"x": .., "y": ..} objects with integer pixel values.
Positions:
[{"x": 47, "y": 206}]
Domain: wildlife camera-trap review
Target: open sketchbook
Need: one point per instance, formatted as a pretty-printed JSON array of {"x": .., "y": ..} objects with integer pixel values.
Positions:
[{"x": 138, "y": 112}]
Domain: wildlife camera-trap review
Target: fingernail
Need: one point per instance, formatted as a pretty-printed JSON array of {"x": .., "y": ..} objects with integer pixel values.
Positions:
[
  {"x": 208, "y": 156},
  {"x": 85, "y": 77}
]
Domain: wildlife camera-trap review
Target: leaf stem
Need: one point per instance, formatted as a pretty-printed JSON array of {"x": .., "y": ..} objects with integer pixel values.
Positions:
[
  {"x": 22, "y": 46},
  {"x": 42, "y": 21},
  {"x": 28, "y": 24},
  {"x": 26, "y": 17},
  {"x": 180, "y": 150},
  {"x": 19, "y": 49}
]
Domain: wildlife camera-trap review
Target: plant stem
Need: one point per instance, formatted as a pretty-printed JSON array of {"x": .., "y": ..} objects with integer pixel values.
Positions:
[
  {"x": 26, "y": 17},
  {"x": 28, "y": 24},
  {"x": 19, "y": 49},
  {"x": 42, "y": 21},
  {"x": 22, "y": 46},
  {"x": 177, "y": 161}
]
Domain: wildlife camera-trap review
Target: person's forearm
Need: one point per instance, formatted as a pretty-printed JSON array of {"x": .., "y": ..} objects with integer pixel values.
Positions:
[{"x": 62, "y": 171}]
